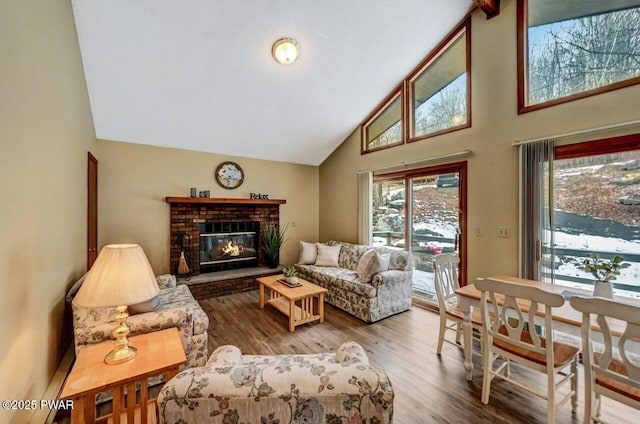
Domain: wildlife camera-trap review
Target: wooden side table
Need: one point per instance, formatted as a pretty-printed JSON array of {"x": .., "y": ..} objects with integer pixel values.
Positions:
[{"x": 159, "y": 352}]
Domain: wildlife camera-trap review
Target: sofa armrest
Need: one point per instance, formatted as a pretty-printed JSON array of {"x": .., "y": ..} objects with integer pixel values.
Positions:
[
  {"x": 225, "y": 355},
  {"x": 139, "y": 324},
  {"x": 166, "y": 281},
  {"x": 391, "y": 277}
]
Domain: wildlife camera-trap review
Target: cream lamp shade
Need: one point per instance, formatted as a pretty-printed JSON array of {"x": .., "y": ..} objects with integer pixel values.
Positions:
[
  {"x": 285, "y": 51},
  {"x": 120, "y": 276}
]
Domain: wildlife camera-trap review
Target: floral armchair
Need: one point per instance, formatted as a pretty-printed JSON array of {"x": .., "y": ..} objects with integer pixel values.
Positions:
[
  {"x": 336, "y": 388},
  {"x": 176, "y": 308}
]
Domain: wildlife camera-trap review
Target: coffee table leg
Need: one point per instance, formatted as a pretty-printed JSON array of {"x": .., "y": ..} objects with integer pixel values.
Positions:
[
  {"x": 261, "y": 296},
  {"x": 292, "y": 315},
  {"x": 321, "y": 307}
]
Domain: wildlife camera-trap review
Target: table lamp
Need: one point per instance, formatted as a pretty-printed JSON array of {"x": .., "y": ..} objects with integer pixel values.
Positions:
[{"x": 120, "y": 276}]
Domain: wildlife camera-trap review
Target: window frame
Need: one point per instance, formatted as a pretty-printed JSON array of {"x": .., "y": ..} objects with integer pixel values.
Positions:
[
  {"x": 623, "y": 143},
  {"x": 523, "y": 70},
  {"x": 397, "y": 93},
  {"x": 424, "y": 66},
  {"x": 402, "y": 90}
]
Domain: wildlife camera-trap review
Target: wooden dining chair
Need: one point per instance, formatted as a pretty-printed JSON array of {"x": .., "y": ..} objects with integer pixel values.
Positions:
[
  {"x": 610, "y": 370},
  {"x": 446, "y": 282},
  {"x": 510, "y": 333}
]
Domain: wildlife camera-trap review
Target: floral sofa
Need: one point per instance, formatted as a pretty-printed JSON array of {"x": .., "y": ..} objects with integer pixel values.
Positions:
[
  {"x": 177, "y": 308},
  {"x": 388, "y": 293},
  {"x": 336, "y": 388}
]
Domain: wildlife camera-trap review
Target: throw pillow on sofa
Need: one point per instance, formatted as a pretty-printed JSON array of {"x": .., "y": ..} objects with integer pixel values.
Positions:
[
  {"x": 327, "y": 255},
  {"x": 154, "y": 304},
  {"x": 372, "y": 263},
  {"x": 308, "y": 253}
]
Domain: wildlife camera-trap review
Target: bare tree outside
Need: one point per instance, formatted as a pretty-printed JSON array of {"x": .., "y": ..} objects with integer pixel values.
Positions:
[
  {"x": 581, "y": 54},
  {"x": 391, "y": 135},
  {"x": 445, "y": 109}
]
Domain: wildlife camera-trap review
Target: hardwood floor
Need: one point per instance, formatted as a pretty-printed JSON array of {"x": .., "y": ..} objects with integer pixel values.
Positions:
[{"x": 428, "y": 388}]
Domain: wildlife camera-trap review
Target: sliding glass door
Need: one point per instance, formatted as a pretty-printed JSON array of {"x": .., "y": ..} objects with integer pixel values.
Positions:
[
  {"x": 421, "y": 211},
  {"x": 595, "y": 210},
  {"x": 587, "y": 202}
]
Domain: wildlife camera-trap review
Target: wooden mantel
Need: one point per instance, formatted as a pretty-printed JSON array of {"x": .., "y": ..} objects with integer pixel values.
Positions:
[{"x": 214, "y": 200}]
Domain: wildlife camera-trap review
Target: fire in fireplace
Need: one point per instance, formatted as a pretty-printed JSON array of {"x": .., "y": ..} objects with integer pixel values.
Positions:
[
  {"x": 232, "y": 249},
  {"x": 228, "y": 245}
]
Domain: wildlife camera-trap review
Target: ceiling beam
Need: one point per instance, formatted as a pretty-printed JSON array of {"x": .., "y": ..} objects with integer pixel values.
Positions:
[{"x": 490, "y": 7}]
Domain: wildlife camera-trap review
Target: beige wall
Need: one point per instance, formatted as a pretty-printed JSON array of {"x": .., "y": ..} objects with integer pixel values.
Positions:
[
  {"x": 45, "y": 132},
  {"x": 492, "y": 170},
  {"x": 134, "y": 180}
]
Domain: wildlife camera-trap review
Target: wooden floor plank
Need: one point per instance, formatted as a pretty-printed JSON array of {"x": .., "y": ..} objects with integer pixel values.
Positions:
[{"x": 428, "y": 388}]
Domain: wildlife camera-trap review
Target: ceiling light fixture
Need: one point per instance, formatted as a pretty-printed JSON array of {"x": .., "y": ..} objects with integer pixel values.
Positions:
[{"x": 285, "y": 51}]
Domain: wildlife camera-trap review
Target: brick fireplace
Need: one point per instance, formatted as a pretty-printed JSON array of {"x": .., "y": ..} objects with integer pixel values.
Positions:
[{"x": 190, "y": 215}]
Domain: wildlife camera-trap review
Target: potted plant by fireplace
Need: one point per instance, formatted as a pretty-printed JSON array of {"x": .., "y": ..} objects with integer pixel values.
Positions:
[
  {"x": 273, "y": 237},
  {"x": 604, "y": 271}
]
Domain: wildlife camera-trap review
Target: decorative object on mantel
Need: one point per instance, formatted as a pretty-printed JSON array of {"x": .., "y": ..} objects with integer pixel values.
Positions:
[
  {"x": 193, "y": 192},
  {"x": 604, "y": 271},
  {"x": 291, "y": 275},
  {"x": 258, "y": 196},
  {"x": 121, "y": 276},
  {"x": 229, "y": 175},
  {"x": 273, "y": 237}
]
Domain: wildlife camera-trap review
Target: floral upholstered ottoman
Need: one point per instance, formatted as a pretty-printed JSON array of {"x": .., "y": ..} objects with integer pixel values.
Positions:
[{"x": 336, "y": 388}]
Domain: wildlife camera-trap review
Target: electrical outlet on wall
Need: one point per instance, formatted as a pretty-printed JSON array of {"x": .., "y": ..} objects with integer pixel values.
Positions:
[
  {"x": 504, "y": 232},
  {"x": 477, "y": 231}
]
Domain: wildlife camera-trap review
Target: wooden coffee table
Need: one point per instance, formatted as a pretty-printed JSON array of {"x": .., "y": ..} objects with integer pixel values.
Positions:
[{"x": 284, "y": 299}]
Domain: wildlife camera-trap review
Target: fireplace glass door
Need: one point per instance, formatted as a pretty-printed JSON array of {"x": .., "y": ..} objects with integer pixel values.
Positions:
[{"x": 228, "y": 246}]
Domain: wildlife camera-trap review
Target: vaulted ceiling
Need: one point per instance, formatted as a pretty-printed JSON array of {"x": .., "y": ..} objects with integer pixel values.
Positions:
[{"x": 199, "y": 75}]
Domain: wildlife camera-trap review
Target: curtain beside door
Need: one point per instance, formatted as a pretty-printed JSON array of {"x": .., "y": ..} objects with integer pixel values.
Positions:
[
  {"x": 365, "y": 205},
  {"x": 537, "y": 252}
]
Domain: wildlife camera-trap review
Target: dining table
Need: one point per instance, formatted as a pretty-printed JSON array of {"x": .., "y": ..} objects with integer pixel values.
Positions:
[{"x": 565, "y": 319}]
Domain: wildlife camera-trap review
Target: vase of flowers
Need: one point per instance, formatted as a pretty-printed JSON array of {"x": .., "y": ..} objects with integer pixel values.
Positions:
[{"x": 604, "y": 271}]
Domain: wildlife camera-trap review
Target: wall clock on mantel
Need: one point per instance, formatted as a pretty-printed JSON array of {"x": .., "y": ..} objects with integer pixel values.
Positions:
[{"x": 229, "y": 175}]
